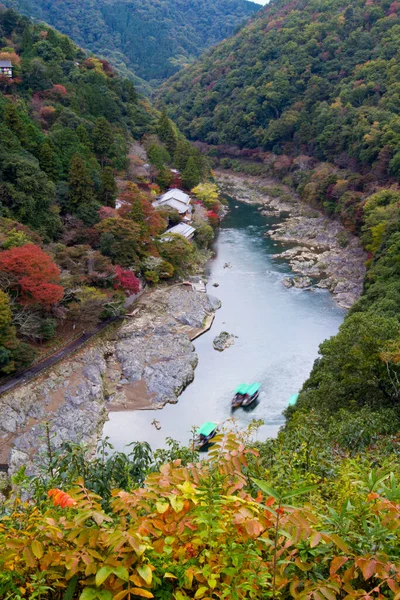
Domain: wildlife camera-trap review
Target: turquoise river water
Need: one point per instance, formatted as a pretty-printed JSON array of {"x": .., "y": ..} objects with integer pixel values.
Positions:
[{"x": 279, "y": 331}]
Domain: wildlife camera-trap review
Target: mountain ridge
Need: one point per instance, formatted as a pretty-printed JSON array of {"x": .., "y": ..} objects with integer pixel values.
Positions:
[{"x": 150, "y": 41}]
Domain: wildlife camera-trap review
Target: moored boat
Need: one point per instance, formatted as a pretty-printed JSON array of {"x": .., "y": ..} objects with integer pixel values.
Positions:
[
  {"x": 204, "y": 434},
  {"x": 245, "y": 394}
]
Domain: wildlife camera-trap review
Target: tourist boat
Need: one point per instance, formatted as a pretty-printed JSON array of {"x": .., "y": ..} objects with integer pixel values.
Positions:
[
  {"x": 246, "y": 394},
  {"x": 204, "y": 434}
]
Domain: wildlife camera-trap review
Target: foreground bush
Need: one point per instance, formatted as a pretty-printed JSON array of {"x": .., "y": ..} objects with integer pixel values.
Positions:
[{"x": 201, "y": 531}]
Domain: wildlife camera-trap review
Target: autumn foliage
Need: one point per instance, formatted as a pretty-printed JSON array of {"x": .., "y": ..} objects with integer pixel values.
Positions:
[
  {"x": 32, "y": 275},
  {"x": 200, "y": 531},
  {"x": 126, "y": 280},
  {"x": 61, "y": 498}
]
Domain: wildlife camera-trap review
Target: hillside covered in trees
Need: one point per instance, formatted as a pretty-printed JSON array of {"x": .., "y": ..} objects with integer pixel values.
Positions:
[
  {"x": 69, "y": 255},
  {"x": 150, "y": 40},
  {"x": 310, "y": 91}
]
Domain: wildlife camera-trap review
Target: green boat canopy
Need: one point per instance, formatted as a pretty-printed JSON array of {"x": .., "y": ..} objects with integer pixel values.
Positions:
[
  {"x": 253, "y": 388},
  {"x": 206, "y": 428},
  {"x": 244, "y": 388},
  {"x": 293, "y": 399}
]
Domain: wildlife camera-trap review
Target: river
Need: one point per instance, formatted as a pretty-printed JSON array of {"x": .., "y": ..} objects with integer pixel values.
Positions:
[{"x": 279, "y": 331}]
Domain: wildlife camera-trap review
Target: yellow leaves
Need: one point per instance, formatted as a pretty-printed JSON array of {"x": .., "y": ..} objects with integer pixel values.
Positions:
[
  {"x": 37, "y": 549},
  {"x": 201, "y": 592},
  {"x": 102, "y": 574},
  {"x": 141, "y": 592},
  {"x": 29, "y": 558},
  {"x": 145, "y": 573},
  {"x": 169, "y": 576},
  {"x": 162, "y": 507},
  {"x": 189, "y": 491},
  {"x": 176, "y": 503}
]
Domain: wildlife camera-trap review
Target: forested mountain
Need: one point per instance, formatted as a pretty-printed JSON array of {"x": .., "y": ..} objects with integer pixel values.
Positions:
[
  {"x": 319, "y": 76},
  {"x": 152, "y": 39},
  {"x": 68, "y": 254},
  {"x": 311, "y": 89}
]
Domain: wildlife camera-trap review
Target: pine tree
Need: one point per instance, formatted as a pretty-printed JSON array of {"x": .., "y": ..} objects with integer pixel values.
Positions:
[
  {"x": 191, "y": 174},
  {"x": 14, "y": 122},
  {"x": 108, "y": 189},
  {"x": 164, "y": 178},
  {"x": 182, "y": 153},
  {"x": 103, "y": 138},
  {"x": 48, "y": 161},
  {"x": 166, "y": 132},
  {"x": 81, "y": 189}
]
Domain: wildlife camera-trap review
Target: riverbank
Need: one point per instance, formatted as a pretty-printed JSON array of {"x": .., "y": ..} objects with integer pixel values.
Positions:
[
  {"x": 322, "y": 254},
  {"x": 142, "y": 364}
]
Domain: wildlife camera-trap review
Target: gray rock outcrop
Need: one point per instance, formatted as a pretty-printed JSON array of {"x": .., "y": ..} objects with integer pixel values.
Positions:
[{"x": 223, "y": 341}]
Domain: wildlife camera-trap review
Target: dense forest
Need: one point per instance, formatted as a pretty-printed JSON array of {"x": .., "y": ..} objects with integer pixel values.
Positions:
[
  {"x": 150, "y": 40},
  {"x": 310, "y": 90},
  {"x": 69, "y": 254}
]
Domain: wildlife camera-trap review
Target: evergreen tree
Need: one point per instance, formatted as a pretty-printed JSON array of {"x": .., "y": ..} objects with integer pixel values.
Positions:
[
  {"x": 108, "y": 190},
  {"x": 191, "y": 174},
  {"x": 166, "y": 132},
  {"x": 182, "y": 153},
  {"x": 81, "y": 190},
  {"x": 48, "y": 161},
  {"x": 8, "y": 338},
  {"x": 14, "y": 122},
  {"x": 103, "y": 138},
  {"x": 158, "y": 156},
  {"x": 164, "y": 178},
  {"x": 83, "y": 136}
]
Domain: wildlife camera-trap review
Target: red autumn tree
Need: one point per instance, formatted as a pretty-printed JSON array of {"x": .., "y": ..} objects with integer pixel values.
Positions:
[
  {"x": 31, "y": 274},
  {"x": 126, "y": 280}
]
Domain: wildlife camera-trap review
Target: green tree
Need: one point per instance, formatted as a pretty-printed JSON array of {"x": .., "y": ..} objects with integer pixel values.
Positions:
[
  {"x": 81, "y": 188},
  {"x": 8, "y": 337},
  {"x": 48, "y": 161},
  {"x": 108, "y": 190},
  {"x": 164, "y": 177},
  {"x": 158, "y": 156},
  {"x": 103, "y": 138},
  {"x": 191, "y": 174},
  {"x": 119, "y": 239},
  {"x": 176, "y": 250},
  {"x": 182, "y": 153},
  {"x": 166, "y": 132},
  {"x": 351, "y": 369}
]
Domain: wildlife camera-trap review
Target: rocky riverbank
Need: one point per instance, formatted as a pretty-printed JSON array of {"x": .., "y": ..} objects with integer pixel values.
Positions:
[
  {"x": 321, "y": 252},
  {"x": 142, "y": 364}
]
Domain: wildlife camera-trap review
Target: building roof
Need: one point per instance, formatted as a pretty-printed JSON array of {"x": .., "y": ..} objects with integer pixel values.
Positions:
[
  {"x": 6, "y": 63},
  {"x": 175, "y": 194},
  {"x": 182, "y": 229}
]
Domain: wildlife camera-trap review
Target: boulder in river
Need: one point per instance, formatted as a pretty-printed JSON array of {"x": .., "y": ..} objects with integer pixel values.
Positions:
[
  {"x": 302, "y": 282},
  {"x": 223, "y": 341}
]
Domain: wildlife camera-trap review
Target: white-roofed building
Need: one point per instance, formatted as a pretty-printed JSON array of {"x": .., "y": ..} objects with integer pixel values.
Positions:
[
  {"x": 182, "y": 229},
  {"x": 178, "y": 200}
]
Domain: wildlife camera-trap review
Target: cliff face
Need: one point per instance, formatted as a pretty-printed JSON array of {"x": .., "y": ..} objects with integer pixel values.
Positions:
[{"x": 142, "y": 365}]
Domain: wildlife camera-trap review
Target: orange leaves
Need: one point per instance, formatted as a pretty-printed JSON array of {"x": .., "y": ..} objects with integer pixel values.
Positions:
[
  {"x": 336, "y": 563},
  {"x": 61, "y": 498}
]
